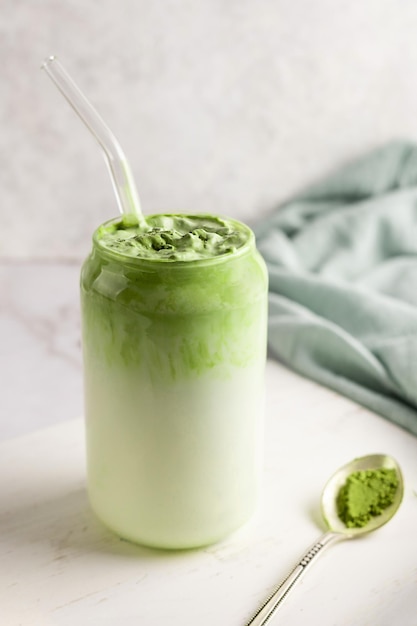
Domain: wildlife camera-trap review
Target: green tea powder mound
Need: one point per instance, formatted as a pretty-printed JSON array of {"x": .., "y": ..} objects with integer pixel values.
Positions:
[{"x": 366, "y": 493}]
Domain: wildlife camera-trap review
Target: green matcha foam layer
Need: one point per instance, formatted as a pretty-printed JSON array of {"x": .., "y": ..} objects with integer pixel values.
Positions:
[{"x": 174, "y": 237}]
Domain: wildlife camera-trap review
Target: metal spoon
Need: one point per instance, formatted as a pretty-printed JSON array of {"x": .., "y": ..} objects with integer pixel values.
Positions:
[{"x": 336, "y": 528}]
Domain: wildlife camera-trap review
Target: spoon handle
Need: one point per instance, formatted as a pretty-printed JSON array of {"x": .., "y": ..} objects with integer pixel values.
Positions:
[{"x": 265, "y": 612}]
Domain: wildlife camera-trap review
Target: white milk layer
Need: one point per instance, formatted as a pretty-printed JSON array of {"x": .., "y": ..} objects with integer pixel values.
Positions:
[{"x": 174, "y": 466}]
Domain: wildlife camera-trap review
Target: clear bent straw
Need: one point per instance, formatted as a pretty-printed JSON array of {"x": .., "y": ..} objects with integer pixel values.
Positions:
[{"x": 121, "y": 175}]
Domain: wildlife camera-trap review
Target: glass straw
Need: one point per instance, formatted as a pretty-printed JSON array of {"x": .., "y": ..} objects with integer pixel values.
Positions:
[{"x": 120, "y": 172}]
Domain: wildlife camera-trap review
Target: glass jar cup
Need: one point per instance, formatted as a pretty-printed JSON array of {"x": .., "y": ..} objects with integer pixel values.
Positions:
[{"x": 174, "y": 357}]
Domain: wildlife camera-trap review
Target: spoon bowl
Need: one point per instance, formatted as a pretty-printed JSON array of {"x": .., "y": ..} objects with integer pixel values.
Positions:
[{"x": 336, "y": 482}]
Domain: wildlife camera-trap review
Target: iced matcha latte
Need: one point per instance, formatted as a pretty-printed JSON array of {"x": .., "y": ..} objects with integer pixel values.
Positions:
[{"x": 174, "y": 339}]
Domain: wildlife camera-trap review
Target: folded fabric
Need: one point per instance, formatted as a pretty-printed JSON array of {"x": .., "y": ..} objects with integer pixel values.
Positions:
[{"x": 342, "y": 260}]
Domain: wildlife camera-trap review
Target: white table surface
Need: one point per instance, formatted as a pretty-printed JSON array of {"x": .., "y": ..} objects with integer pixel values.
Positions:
[{"x": 61, "y": 567}]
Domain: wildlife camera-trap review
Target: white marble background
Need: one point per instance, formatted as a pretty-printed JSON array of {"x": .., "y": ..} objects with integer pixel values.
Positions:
[
  {"x": 225, "y": 106},
  {"x": 40, "y": 347}
]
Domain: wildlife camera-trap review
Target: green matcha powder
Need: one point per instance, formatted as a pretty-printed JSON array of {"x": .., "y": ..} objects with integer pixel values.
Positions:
[{"x": 365, "y": 494}]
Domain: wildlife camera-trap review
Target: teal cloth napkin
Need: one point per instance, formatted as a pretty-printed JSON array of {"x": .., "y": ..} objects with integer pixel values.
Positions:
[{"x": 342, "y": 260}]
